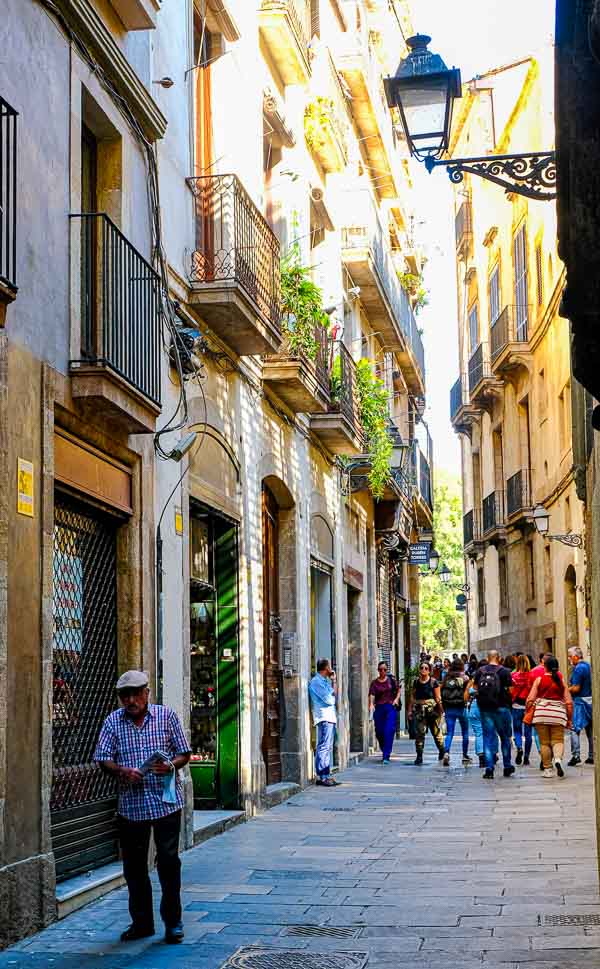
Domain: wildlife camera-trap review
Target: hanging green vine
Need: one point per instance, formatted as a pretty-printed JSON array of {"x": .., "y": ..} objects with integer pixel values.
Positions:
[
  {"x": 413, "y": 285},
  {"x": 373, "y": 400},
  {"x": 318, "y": 117},
  {"x": 302, "y": 308}
]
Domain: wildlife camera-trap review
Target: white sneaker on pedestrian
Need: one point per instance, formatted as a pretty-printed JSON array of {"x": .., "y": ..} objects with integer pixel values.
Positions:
[{"x": 548, "y": 772}]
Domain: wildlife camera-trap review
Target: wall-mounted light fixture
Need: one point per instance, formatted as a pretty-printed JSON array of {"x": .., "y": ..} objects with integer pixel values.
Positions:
[{"x": 541, "y": 518}]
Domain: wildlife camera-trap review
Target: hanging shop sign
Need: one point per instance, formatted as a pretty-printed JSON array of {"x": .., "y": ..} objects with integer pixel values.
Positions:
[
  {"x": 418, "y": 553},
  {"x": 25, "y": 487}
]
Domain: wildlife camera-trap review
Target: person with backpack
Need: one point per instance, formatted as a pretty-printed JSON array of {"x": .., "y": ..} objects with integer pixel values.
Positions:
[
  {"x": 453, "y": 700},
  {"x": 553, "y": 711},
  {"x": 493, "y": 684},
  {"x": 520, "y": 692},
  {"x": 580, "y": 688},
  {"x": 384, "y": 703},
  {"x": 426, "y": 708}
]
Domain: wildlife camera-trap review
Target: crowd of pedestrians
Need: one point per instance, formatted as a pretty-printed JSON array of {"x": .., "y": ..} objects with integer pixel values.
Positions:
[{"x": 504, "y": 702}]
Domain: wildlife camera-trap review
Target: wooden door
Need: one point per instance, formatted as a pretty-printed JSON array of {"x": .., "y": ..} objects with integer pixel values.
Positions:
[{"x": 271, "y": 744}]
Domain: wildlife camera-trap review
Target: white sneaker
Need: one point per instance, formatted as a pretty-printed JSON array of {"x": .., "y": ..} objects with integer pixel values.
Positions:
[{"x": 548, "y": 772}]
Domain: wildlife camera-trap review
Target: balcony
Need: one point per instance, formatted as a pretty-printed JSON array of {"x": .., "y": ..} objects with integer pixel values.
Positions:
[
  {"x": 117, "y": 378},
  {"x": 362, "y": 73},
  {"x": 234, "y": 273},
  {"x": 492, "y": 515},
  {"x": 299, "y": 381},
  {"x": 285, "y": 30},
  {"x": 483, "y": 385},
  {"x": 509, "y": 336},
  {"x": 327, "y": 124},
  {"x": 464, "y": 230},
  {"x": 518, "y": 496},
  {"x": 339, "y": 428},
  {"x": 422, "y": 487},
  {"x": 137, "y": 14},
  {"x": 8, "y": 205},
  {"x": 463, "y": 413},
  {"x": 471, "y": 530},
  {"x": 367, "y": 257}
]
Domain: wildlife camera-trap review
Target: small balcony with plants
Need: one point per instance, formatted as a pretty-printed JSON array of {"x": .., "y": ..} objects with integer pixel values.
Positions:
[
  {"x": 285, "y": 32},
  {"x": 327, "y": 123},
  {"x": 8, "y": 205},
  {"x": 116, "y": 374},
  {"x": 299, "y": 372},
  {"x": 340, "y": 427},
  {"x": 234, "y": 272}
]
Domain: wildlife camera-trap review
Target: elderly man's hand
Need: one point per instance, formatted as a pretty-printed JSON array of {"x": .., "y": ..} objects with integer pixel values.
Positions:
[
  {"x": 163, "y": 767},
  {"x": 132, "y": 775}
]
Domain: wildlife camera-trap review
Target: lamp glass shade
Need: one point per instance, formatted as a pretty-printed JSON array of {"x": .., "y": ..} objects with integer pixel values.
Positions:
[
  {"x": 423, "y": 110},
  {"x": 434, "y": 560},
  {"x": 541, "y": 519},
  {"x": 445, "y": 574}
]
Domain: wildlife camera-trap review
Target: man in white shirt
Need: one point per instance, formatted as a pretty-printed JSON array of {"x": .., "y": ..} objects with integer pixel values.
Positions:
[{"x": 322, "y": 691}]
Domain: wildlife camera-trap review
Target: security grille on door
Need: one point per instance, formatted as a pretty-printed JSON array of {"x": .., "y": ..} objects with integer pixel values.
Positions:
[{"x": 82, "y": 800}]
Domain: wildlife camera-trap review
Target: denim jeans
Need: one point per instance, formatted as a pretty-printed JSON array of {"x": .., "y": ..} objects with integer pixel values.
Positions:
[
  {"x": 496, "y": 723},
  {"x": 475, "y": 721},
  {"x": 325, "y": 735},
  {"x": 454, "y": 715},
  {"x": 576, "y": 741},
  {"x": 520, "y": 728}
]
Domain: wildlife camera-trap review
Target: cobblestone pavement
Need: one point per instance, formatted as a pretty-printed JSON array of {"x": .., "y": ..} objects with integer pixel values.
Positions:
[{"x": 417, "y": 867}]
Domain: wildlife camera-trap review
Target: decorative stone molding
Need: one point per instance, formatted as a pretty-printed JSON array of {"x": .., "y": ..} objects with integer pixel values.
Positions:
[{"x": 274, "y": 113}]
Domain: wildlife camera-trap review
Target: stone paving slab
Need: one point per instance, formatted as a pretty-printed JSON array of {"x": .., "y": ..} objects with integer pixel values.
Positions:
[{"x": 430, "y": 867}]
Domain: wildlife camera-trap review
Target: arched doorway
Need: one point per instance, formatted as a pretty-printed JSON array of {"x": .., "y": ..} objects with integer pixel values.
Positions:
[
  {"x": 278, "y": 548},
  {"x": 570, "y": 593}
]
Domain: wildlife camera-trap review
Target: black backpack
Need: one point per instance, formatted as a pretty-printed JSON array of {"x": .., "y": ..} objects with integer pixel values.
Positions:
[
  {"x": 489, "y": 688},
  {"x": 453, "y": 690}
]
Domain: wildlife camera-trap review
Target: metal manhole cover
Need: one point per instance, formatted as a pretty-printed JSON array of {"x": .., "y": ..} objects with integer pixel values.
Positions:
[
  {"x": 331, "y": 807},
  {"x": 261, "y": 957},
  {"x": 571, "y": 919},
  {"x": 331, "y": 931}
]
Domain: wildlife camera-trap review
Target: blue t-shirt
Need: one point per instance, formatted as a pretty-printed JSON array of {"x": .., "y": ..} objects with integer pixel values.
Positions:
[{"x": 581, "y": 676}]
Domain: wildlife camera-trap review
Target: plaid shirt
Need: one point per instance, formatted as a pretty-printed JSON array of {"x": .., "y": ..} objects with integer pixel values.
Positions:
[{"x": 129, "y": 746}]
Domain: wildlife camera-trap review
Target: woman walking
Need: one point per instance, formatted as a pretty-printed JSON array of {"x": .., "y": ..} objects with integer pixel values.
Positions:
[
  {"x": 553, "y": 712},
  {"x": 475, "y": 715},
  {"x": 384, "y": 703},
  {"x": 453, "y": 699},
  {"x": 426, "y": 705},
  {"x": 520, "y": 692}
]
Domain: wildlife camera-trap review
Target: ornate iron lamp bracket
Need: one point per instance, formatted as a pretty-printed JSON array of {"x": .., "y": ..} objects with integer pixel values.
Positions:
[
  {"x": 570, "y": 539},
  {"x": 532, "y": 174}
]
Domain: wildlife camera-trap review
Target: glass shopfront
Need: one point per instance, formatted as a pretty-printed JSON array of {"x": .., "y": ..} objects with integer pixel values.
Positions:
[{"x": 214, "y": 658}]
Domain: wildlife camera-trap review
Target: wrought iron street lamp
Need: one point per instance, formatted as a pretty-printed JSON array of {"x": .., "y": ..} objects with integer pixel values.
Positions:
[
  {"x": 445, "y": 576},
  {"x": 434, "y": 560},
  {"x": 423, "y": 92},
  {"x": 541, "y": 518}
]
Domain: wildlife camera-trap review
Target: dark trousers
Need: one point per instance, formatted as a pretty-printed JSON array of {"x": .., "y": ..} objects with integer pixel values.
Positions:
[
  {"x": 135, "y": 841},
  {"x": 385, "y": 718}
]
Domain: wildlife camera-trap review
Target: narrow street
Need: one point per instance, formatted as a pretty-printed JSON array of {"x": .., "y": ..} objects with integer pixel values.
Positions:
[{"x": 403, "y": 866}]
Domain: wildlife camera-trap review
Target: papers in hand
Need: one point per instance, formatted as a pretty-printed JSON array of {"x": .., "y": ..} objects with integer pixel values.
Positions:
[{"x": 158, "y": 757}]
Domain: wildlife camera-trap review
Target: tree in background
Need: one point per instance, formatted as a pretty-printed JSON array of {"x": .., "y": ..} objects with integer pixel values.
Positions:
[{"x": 443, "y": 628}]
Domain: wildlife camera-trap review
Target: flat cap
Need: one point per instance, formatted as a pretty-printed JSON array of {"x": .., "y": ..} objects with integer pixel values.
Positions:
[{"x": 132, "y": 679}]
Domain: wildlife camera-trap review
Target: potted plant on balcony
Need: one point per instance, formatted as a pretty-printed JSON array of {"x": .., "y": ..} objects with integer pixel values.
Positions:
[
  {"x": 412, "y": 284},
  {"x": 373, "y": 402},
  {"x": 298, "y": 372},
  {"x": 323, "y": 134}
]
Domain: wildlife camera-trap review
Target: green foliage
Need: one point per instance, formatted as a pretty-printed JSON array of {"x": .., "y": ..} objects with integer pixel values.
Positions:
[
  {"x": 317, "y": 119},
  {"x": 411, "y": 675},
  {"x": 442, "y": 627},
  {"x": 373, "y": 403},
  {"x": 302, "y": 307},
  {"x": 413, "y": 285}
]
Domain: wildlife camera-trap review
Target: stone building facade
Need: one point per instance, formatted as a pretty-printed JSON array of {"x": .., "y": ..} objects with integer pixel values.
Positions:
[
  {"x": 171, "y": 157},
  {"x": 512, "y": 405}
]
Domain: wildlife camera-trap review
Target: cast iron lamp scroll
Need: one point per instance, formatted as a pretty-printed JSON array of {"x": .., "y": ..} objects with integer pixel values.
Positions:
[
  {"x": 445, "y": 576},
  {"x": 423, "y": 92},
  {"x": 541, "y": 519}
]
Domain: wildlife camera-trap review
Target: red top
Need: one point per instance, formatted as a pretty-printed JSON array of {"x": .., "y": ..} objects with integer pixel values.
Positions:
[
  {"x": 535, "y": 673},
  {"x": 521, "y": 686},
  {"x": 550, "y": 690}
]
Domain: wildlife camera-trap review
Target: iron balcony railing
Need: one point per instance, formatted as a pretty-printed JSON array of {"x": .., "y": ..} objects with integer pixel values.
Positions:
[
  {"x": 492, "y": 511},
  {"x": 421, "y": 475},
  {"x": 456, "y": 398},
  {"x": 463, "y": 225},
  {"x": 512, "y": 326},
  {"x": 471, "y": 528},
  {"x": 8, "y": 195},
  {"x": 234, "y": 243},
  {"x": 367, "y": 233},
  {"x": 344, "y": 388},
  {"x": 479, "y": 367},
  {"x": 299, "y": 13},
  {"x": 518, "y": 492},
  {"x": 120, "y": 306}
]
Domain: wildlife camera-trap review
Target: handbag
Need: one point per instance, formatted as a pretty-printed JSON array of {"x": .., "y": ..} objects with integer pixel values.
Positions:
[
  {"x": 529, "y": 714},
  {"x": 551, "y": 712}
]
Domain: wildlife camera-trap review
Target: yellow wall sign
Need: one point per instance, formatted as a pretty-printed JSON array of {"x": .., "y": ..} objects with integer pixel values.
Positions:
[
  {"x": 25, "y": 488},
  {"x": 178, "y": 521}
]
